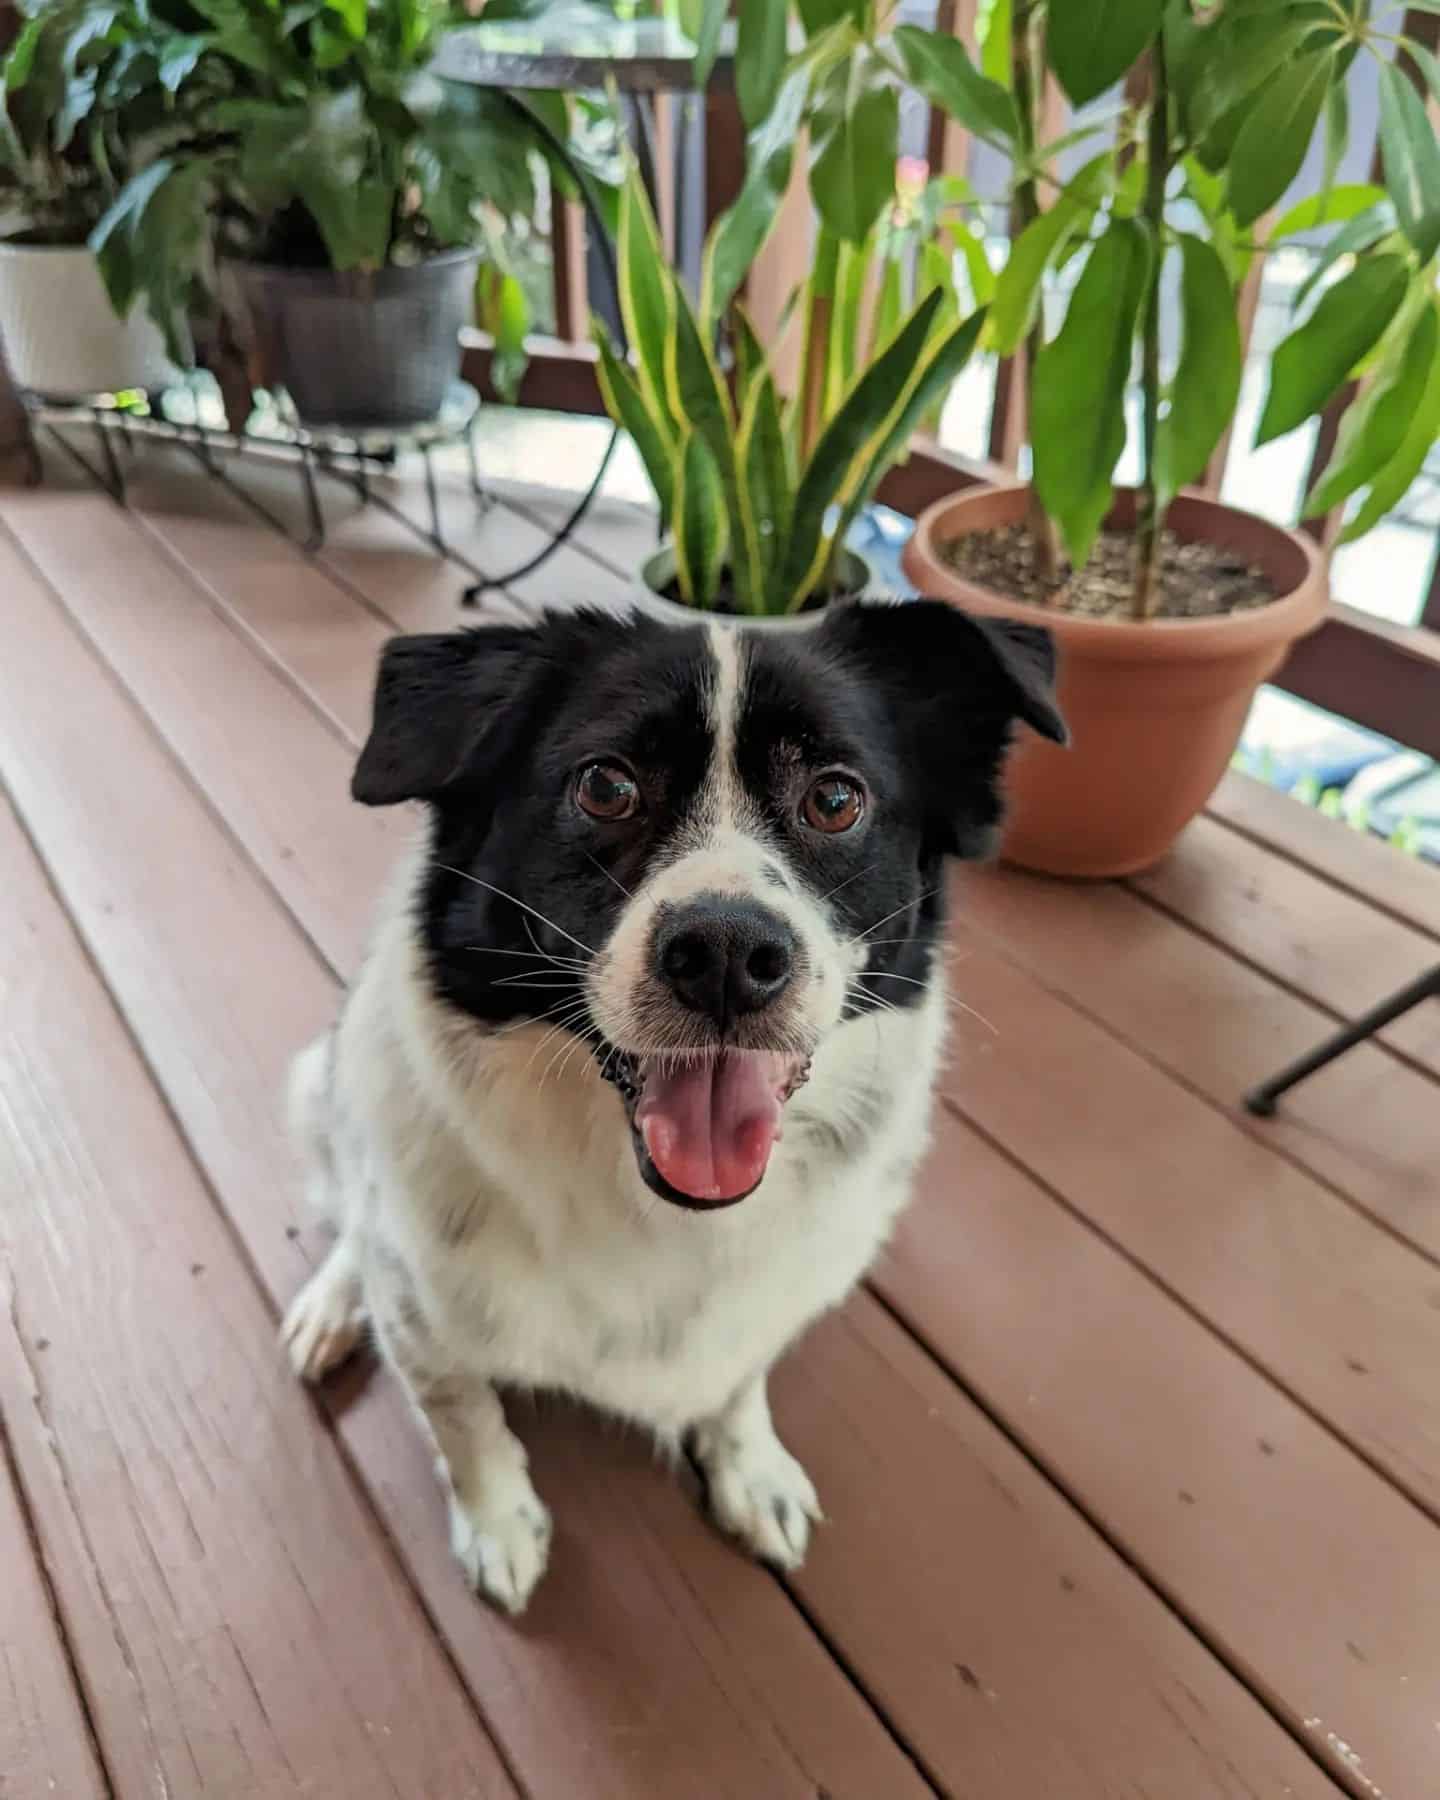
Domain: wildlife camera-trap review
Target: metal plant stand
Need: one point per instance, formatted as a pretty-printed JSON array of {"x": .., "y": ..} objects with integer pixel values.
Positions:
[{"x": 1261, "y": 1100}]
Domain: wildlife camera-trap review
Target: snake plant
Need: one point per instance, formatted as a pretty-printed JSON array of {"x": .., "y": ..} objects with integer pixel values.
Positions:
[{"x": 758, "y": 490}]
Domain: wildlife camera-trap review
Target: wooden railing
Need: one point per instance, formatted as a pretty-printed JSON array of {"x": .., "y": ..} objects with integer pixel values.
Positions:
[{"x": 1384, "y": 676}]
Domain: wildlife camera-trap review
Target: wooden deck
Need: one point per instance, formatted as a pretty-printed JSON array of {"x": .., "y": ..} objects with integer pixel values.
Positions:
[{"x": 1131, "y": 1451}]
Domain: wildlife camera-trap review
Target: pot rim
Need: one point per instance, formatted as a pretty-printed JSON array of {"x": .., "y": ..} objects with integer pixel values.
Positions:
[
  {"x": 10, "y": 246},
  {"x": 1291, "y": 614},
  {"x": 663, "y": 558},
  {"x": 301, "y": 273}
]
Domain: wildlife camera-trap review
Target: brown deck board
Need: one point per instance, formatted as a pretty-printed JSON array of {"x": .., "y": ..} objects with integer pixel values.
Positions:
[
  {"x": 1135, "y": 1285},
  {"x": 239, "y": 1621},
  {"x": 992, "y": 1624},
  {"x": 1327, "y": 944},
  {"x": 647, "y": 1680},
  {"x": 1310, "y": 1574},
  {"x": 1403, "y": 886},
  {"x": 45, "y": 1740},
  {"x": 1366, "y": 1125},
  {"x": 1341, "y": 1315}
]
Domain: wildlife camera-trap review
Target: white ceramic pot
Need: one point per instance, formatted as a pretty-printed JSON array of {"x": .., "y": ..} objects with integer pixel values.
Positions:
[
  {"x": 658, "y": 571},
  {"x": 61, "y": 337}
]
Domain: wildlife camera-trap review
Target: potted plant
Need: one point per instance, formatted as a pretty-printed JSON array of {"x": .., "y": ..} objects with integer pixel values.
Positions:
[
  {"x": 757, "y": 490},
  {"x": 1170, "y": 608},
  {"x": 329, "y": 191},
  {"x": 69, "y": 137}
]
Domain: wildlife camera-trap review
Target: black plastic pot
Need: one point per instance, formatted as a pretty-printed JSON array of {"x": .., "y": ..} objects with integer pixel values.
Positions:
[{"x": 356, "y": 348}]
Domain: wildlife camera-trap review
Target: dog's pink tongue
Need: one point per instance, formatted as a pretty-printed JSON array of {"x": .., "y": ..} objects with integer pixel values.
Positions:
[{"x": 710, "y": 1125}]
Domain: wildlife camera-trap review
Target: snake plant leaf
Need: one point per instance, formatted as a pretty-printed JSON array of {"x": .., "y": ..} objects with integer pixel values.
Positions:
[
  {"x": 700, "y": 534},
  {"x": 836, "y": 466},
  {"x": 1091, "y": 43},
  {"x": 740, "y": 232},
  {"x": 627, "y": 406},
  {"x": 1375, "y": 426},
  {"x": 646, "y": 299},
  {"x": 768, "y": 484},
  {"x": 1206, "y": 384},
  {"x": 1396, "y": 478},
  {"x": 1078, "y": 430},
  {"x": 939, "y": 368},
  {"x": 698, "y": 396},
  {"x": 1309, "y": 366}
]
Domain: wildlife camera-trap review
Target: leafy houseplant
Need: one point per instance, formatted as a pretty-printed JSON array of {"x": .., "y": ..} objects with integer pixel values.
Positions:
[
  {"x": 66, "y": 144},
  {"x": 315, "y": 174},
  {"x": 1222, "y": 104},
  {"x": 756, "y": 493}
]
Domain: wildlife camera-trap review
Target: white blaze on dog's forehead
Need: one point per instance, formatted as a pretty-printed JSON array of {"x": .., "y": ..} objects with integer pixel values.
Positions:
[{"x": 720, "y": 798}]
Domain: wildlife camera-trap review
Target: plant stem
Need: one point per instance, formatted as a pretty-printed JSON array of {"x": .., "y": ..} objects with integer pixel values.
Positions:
[
  {"x": 1029, "y": 74},
  {"x": 1148, "y": 519}
]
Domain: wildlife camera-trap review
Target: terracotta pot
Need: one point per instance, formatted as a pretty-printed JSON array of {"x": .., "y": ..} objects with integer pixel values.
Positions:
[{"x": 1155, "y": 708}]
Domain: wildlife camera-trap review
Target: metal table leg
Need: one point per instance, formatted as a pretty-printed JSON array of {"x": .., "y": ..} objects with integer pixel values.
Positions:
[{"x": 1261, "y": 1100}]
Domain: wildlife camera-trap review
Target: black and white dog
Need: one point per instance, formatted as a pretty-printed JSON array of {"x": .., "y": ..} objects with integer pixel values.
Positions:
[{"x": 680, "y": 887}]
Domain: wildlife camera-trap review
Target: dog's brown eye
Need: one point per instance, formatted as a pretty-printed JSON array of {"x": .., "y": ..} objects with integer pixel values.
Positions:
[
  {"x": 834, "y": 803},
  {"x": 607, "y": 792}
]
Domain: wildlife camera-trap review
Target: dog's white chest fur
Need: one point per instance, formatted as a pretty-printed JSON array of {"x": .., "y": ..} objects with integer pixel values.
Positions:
[{"x": 498, "y": 1182}]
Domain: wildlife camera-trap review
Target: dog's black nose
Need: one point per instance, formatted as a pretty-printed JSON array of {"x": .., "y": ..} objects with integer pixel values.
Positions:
[{"x": 724, "y": 957}]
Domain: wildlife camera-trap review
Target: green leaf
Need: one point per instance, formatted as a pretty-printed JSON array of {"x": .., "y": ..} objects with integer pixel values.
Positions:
[
  {"x": 178, "y": 58},
  {"x": 1206, "y": 385},
  {"x": 1237, "y": 55},
  {"x": 699, "y": 524},
  {"x": 1365, "y": 229},
  {"x": 739, "y": 234},
  {"x": 852, "y": 173},
  {"x": 766, "y": 480},
  {"x": 1411, "y": 158},
  {"x": 1393, "y": 482},
  {"x": 1021, "y": 281},
  {"x": 983, "y": 281},
  {"x": 1091, "y": 43},
  {"x": 1374, "y": 427},
  {"x": 1315, "y": 359},
  {"x": 352, "y": 14},
  {"x": 759, "y": 57},
  {"x": 627, "y": 406},
  {"x": 700, "y": 400},
  {"x": 1078, "y": 430},
  {"x": 707, "y": 40},
  {"x": 1274, "y": 137},
  {"x": 818, "y": 15},
  {"x": 835, "y": 462},
  {"x": 889, "y": 307},
  {"x": 20, "y": 63},
  {"x": 1427, "y": 63},
  {"x": 939, "y": 66},
  {"x": 646, "y": 301},
  {"x": 1337, "y": 132},
  {"x": 942, "y": 363},
  {"x": 1333, "y": 208},
  {"x": 994, "y": 33},
  {"x": 749, "y": 352}
]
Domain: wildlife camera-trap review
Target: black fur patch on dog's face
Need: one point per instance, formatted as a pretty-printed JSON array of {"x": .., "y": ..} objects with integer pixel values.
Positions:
[{"x": 494, "y": 729}]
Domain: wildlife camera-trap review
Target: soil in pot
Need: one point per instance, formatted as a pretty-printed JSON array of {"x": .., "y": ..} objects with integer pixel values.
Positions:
[{"x": 1198, "y": 580}]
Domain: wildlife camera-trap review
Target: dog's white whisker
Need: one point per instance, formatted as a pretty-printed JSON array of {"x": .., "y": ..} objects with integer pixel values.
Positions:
[
  {"x": 515, "y": 900},
  {"x": 608, "y": 876},
  {"x": 841, "y": 885},
  {"x": 562, "y": 962},
  {"x": 919, "y": 900}
]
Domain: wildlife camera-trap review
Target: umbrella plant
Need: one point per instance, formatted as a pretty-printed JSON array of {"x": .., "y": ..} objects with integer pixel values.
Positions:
[{"x": 1223, "y": 104}]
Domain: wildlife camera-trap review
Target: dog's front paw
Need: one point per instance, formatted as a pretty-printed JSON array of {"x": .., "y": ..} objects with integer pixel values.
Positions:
[
  {"x": 759, "y": 1494},
  {"x": 327, "y": 1318},
  {"x": 502, "y": 1543}
]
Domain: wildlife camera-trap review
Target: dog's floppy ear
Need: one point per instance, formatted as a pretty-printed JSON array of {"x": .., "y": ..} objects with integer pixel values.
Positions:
[
  {"x": 437, "y": 697},
  {"x": 956, "y": 685}
]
